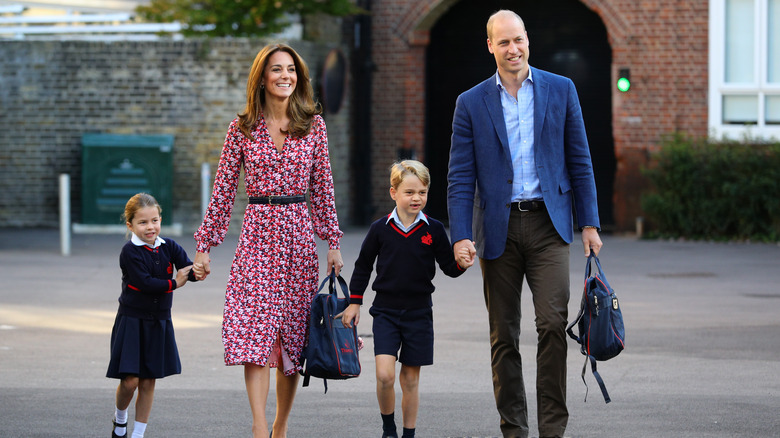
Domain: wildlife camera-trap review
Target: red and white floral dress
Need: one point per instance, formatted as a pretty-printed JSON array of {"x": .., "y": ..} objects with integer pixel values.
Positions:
[{"x": 275, "y": 269}]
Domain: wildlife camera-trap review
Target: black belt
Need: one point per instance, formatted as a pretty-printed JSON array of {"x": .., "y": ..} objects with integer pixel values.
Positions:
[
  {"x": 528, "y": 205},
  {"x": 277, "y": 200}
]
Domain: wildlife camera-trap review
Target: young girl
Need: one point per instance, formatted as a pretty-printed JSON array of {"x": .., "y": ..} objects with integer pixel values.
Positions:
[{"x": 143, "y": 346}]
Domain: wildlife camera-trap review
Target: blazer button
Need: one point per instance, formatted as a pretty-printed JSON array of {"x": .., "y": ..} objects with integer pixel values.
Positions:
[{"x": 509, "y": 181}]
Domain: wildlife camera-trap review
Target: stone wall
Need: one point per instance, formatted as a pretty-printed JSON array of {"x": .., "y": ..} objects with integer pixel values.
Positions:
[{"x": 52, "y": 92}]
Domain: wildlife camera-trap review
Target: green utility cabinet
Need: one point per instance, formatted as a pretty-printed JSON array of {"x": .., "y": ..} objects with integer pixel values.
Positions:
[{"x": 116, "y": 167}]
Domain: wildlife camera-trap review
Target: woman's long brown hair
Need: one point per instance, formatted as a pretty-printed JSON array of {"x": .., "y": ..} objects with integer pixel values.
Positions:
[{"x": 302, "y": 106}]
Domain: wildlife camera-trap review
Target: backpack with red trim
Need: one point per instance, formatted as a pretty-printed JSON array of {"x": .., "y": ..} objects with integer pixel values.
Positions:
[
  {"x": 600, "y": 322},
  {"x": 332, "y": 349}
]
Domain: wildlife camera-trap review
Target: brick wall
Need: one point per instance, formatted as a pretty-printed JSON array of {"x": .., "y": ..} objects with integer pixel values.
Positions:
[
  {"x": 663, "y": 42},
  {"x": 52, "y": 92}
]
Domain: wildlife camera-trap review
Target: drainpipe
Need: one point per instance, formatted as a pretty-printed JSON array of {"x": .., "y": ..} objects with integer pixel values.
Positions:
[{"x": 362, "y": 69}]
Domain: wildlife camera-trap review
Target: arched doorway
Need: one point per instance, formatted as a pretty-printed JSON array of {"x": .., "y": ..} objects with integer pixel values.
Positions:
[{"x": 565, "y": 38}]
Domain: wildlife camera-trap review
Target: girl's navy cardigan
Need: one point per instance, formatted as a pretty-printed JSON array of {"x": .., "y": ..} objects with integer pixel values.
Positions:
[
  {"x": 405, "y": 263},
  {"x": 148, "y": 279}
]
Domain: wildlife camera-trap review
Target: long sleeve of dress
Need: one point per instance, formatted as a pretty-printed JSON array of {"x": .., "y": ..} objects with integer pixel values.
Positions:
[
  {"x": 215, "y": 224},
  {"x": 323, "y": 203}
]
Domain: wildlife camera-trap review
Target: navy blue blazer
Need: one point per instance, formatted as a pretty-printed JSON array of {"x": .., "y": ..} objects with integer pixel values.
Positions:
[{"x": 480, "y": 171}]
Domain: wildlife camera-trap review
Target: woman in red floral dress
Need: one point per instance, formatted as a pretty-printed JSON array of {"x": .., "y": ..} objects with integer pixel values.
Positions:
[{"x": 281, "y": 142}]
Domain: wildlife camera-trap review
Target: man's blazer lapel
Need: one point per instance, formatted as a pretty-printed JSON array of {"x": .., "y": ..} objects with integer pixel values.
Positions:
[
  {"x": 541, "y": 89},
  {"x": 492, "y": 100}
]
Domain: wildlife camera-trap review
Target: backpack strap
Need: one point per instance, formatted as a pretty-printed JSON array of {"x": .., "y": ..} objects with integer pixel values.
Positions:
[
  {"x": 596, "y": 375},
  {"x": 576, "y": 320}
]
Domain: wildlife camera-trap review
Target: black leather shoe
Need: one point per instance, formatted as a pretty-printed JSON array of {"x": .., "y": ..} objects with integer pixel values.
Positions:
[{"x": 114, "y": 426}]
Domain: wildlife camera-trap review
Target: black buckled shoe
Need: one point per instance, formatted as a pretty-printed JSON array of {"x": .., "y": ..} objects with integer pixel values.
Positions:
[{"x": 114, "y": 426}]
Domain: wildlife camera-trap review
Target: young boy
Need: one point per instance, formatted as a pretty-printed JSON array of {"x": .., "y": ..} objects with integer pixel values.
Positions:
[{"x": 405, "y": 243}]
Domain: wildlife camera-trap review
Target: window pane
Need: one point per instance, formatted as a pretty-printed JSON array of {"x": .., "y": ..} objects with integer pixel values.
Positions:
[
  {"x": 773, "y": 32},
  {"x": 739, "y": 41},
  {"x": 740, "y": 110},
  {"x": 773, "y": 110}
]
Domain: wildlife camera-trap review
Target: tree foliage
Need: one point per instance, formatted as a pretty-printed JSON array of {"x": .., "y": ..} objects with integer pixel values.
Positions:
[{"x": 238, "y": 17}]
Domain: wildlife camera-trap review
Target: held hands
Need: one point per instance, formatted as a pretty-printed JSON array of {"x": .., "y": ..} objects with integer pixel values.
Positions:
[
  {"x": 464, "y": 258},
  {"x": 591, "y": 241},
  {"x": 464, "y": 252},
  {"x": 202, "y": 265},
  {"x": 181, "y": 275}
]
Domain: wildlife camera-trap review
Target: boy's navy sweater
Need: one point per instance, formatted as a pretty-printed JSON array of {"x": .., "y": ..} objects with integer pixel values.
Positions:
[
  {"x": 405, "y": 264},
  {"x": 147, "y": 279}
]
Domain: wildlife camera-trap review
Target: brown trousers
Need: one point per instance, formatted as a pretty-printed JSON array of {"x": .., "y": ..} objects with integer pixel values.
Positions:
[{"x": 534, "y": 250}]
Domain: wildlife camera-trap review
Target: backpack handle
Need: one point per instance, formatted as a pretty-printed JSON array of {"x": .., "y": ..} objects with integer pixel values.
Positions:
[
  {"x": 331, "y": 279},
  {"x": 601, "y": 274}
]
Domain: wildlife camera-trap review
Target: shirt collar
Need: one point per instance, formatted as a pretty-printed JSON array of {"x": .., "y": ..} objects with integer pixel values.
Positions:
[
  {"x": 394, "y": 216},
  {"x": 138, "y": 242},
  {"x": 529, "y": 78}
]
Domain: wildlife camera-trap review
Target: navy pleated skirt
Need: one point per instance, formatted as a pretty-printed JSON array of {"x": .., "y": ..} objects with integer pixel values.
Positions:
[{"x": 143, "y": 347}]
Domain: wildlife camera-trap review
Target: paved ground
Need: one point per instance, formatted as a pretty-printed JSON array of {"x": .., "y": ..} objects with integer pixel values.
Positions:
[{"x": 702, "y": 358}]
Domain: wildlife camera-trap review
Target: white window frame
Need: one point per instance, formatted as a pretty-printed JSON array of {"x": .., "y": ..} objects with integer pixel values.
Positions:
[{"x": 717, "y": 72}]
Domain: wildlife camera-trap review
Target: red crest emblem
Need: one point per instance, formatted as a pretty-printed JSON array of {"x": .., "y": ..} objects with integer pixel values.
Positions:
[{"x": 427, "y": 239}]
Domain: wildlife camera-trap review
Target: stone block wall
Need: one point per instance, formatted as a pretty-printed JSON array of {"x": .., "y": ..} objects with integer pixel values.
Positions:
[{"x": 52, "y": 92}]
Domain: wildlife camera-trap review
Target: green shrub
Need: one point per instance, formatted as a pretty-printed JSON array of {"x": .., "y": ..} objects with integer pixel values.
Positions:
[{"x": 725, "y": 190}]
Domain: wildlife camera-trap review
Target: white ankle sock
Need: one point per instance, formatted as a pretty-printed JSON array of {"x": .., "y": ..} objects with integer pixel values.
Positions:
[
  {"x": 120, "y": 416},
  {"x": 139, "y": 429}
]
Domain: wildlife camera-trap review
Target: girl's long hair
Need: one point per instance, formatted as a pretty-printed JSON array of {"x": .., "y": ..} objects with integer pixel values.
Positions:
[{"x": 301, "y": 108}]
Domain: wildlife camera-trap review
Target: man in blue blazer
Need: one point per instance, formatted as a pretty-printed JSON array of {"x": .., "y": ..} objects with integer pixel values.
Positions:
[{"x": 519, "y": 158}]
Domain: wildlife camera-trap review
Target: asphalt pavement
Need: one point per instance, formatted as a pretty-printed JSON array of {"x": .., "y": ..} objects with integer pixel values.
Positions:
[{"x": 702, "y": 354}]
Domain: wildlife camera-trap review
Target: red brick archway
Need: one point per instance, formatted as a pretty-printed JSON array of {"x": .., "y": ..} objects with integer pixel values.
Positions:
[{"x": 657, "y": 39}]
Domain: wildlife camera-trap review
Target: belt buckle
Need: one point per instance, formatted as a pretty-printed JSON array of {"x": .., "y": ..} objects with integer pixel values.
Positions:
[
  {"x": 520, "y": 205},
  {"x": 271, "y": 200}
]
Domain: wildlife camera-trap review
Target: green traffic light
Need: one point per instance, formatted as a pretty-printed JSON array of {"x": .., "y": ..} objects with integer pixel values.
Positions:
[{"x": 623, "y": 84}]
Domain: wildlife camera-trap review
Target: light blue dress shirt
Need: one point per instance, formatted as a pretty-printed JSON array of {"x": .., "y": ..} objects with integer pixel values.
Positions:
[{"x": 519, "y": 120}]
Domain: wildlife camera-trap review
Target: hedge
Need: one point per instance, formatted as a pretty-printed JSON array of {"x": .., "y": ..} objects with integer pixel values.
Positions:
[{"x": 714, "y": 190}]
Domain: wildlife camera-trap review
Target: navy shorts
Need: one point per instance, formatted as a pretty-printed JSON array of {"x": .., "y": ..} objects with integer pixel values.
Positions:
[{"x": 410, "y": 331}]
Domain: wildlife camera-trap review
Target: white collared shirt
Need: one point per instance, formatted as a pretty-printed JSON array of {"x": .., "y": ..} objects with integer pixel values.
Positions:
[
  {"x": 394, "y": 216},
  {"x": 138, "y": 242}
]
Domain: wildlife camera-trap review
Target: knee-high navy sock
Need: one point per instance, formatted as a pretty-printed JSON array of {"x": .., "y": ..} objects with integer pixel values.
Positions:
[{"x": 388, "y": 424}]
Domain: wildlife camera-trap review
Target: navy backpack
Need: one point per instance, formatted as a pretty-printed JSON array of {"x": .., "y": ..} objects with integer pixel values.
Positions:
[
  {"x": 332, "y": 349},
  {"x": 600, "y": 322}
]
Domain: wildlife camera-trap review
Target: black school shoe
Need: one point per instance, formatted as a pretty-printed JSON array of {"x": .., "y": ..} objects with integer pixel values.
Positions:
[{"x": 114, "y": 426}]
